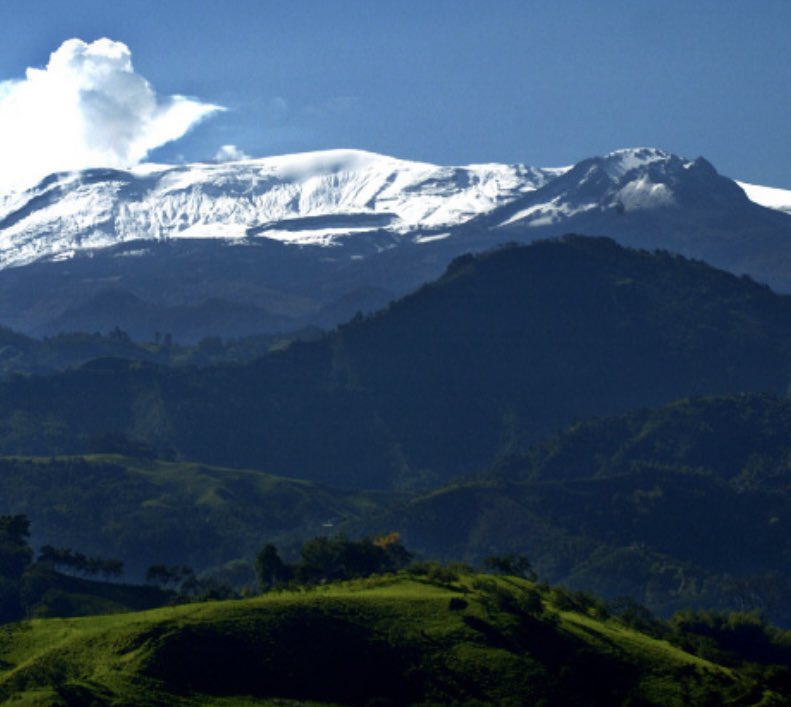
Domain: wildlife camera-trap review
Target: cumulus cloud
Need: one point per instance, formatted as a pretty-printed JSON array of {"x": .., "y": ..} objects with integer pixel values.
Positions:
[
  {"x": 229, "y": 153},
  {"x": 86, "y": 108}
]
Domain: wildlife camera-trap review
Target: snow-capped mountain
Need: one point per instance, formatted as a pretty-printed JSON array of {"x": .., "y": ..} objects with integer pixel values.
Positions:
[
  {"x": 323, "y": 198},
  {"x": 629, "y": 181},
  {"x": 304, "y": 199},
  {"x": 315, "y": 237},
  {"x": 653, "y": 199},
  {"x": 623, "y": 179}
]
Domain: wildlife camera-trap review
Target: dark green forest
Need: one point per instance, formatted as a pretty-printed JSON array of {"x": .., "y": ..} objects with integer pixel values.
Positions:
[
  {"x": 686, "y": 505},
  {"x": 505, "y": 349}
]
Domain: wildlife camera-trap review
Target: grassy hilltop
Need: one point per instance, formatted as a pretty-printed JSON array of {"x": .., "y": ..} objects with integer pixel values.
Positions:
[{"x": 436, "y": 638}]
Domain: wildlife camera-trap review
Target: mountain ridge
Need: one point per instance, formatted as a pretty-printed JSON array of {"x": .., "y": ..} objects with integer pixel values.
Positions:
[
  {"x": 292, "y": 237},
  {"x": 236, "y": 200},
  {"x": 96, "y": 208},
  {"x": 534, "y": 335}
]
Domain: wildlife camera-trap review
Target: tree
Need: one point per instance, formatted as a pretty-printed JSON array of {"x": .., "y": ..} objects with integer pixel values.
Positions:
[
  {"x": 396, "y": 555},
  {"x": 170, "y": 574},
  {"x": 77, "y": 562},
  {"x": 15, "y": 553},
  {"x": 515, "y": 565},
  {"x": 324, "y": 558},
  {"x": 119, "y": 334},
  {"x": 270, "y": 570},
  {"x": 15, "y": 557},
  {"x": 111, "y": 568},
  {"x": 320, "y": 559}
]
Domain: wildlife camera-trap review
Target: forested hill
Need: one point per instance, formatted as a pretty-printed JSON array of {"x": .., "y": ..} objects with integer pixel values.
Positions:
[
  {"x": 505, "y": 348},
  {"x": 688, "y": 504},
  {"x": 741, "y": 440}
]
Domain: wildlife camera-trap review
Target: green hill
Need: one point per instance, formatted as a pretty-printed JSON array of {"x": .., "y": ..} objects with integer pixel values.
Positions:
[
  {"x": 471, "y": 640},
  {"x": 148, "y": 511},
  {"x": 505, "y": 348},
  {"x": 742, "y": 440},
  {"x": 689, "y": 504}
]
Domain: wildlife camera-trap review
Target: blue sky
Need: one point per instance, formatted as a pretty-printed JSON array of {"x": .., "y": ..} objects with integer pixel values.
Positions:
[{"x": 452, "y": 82}]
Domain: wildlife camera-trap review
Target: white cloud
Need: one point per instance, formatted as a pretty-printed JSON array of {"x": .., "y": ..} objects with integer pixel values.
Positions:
[
  {"x": 229, "y": 153},
  {"x": 87, "y": 108}
]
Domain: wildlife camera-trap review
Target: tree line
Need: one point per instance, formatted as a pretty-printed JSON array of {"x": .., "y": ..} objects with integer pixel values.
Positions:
[{"x": 24, "y": 580}]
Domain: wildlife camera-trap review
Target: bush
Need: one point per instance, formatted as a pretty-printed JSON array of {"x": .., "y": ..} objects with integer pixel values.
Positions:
[
  {"x": 580, "y": 601},
  {"x": 634, "y": 615},
  {"x": 434, "y": 572},
  {"x": 514, "y": 565}
]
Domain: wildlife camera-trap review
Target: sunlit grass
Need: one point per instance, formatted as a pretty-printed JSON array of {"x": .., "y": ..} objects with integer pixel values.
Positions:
[{"x": 469, "y": 649}]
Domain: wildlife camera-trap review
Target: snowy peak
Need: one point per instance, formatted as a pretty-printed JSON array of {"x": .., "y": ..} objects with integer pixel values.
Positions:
[
  {"x": 631, "y": 180},
  {"x": 620, "y": 162},
  {"x": 344, "y": 197},
  {"x": 70, "y": 212}
]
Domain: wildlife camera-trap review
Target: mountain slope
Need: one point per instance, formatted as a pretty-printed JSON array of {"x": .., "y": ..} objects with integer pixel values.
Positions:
[
  {"x": 504, "y": 349},
  {"x": 652, "y": 199},
  {"x": 150, "y": 511},
  {"x": 771, "y": 197},
  {"x": 309, "y": 198}
]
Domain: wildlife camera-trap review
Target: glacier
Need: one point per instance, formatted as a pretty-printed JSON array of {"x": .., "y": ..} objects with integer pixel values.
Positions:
[
  {"x": 92, "y": 209},
  {"x": 324, "y": 198}
]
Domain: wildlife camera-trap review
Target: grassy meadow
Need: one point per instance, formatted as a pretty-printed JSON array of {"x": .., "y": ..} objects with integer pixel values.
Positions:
[{"x": 446, "y": 637}]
